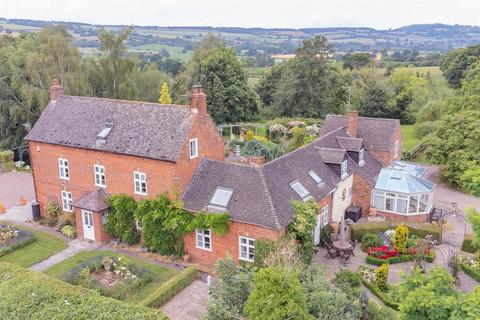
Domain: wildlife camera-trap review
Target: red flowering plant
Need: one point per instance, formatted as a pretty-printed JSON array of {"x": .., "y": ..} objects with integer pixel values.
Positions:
[
  {"x": 422, "y": 246},
  {"x": 382, "y": 252}
]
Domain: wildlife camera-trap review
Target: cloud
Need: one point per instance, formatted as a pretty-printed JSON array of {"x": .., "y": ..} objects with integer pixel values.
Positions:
[{"x": 247, "y": 13}]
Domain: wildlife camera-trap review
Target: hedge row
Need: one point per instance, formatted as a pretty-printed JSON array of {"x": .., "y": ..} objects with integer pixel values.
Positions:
[
  {"x": 399, "y": 259},
  {"x": 472, "y": 272},
  {"x": 170, "y": 288},
  {"x": 467, "y": 244},
  {"x": 23, "y": 239},
  {"x": 27, "y": 294},
  {"x": 380, "y": 294},
  {"x": 418, "y": 229}
]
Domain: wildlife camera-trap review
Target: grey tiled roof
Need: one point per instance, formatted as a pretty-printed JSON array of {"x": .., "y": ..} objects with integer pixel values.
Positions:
[
  {"x": 350, "y": 144},
  {"x": 143, "y": 129},
  {"x": 93, "y": 201},
  {"x": 377, "y": 133},
  {"x": 330, "y": 155}
]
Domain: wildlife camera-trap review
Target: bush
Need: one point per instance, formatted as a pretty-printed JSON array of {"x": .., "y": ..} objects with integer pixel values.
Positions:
[
  {"x": 170, "y": 288},
  {"x": 467, "y": 245},
  {"x": 52, "y": 212},
  {"x": 6, "y": 156},
  {"x": 378, "y": 313},
  {"x": 349, "y": 282},
  {"x": 121, "y": 218},
  {"x": 381, "y": 277},
  {"x": 249, "y": 136},
  {"x": 419, "y": 229},
  {"x": 28, "y": 294},
  {"x": 398, "y": 259},
  {"x": 263, "y": 248},
  {"x": 66, "y": 219},
  {"x": 471, "y": 271},
  {"x": 325, "y": 235},
  {"x": 371, "y": 240},
  {"x": 400, "y": 238},
  {"x": 69, "y": 231},
  {"x": 383, "y": 296}
]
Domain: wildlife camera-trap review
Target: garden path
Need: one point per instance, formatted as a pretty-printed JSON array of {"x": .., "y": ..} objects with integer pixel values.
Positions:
[{"x": 188, "y": 304}]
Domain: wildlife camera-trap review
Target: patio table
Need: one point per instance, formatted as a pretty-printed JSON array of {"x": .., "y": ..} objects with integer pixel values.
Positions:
[{"x": 342, "y": 245}]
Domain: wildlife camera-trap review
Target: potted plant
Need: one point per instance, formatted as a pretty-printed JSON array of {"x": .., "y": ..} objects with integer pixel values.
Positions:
[
  {"x": 107, "y": 263},
  {"x": 186, "y": 257}
]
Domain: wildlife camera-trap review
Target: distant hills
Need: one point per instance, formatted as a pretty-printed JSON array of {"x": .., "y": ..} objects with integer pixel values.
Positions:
[{"x": 180, "y": 41}]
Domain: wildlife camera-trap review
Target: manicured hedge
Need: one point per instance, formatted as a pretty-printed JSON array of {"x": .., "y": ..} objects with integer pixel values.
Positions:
[
  {"x": 399, "y": 259},
  {"x": 467, "y": 244},
  {"x": 472, "y": 272},
  {"x": 27, "y": 294},
  {"x": 383, "y": 296},
  {"x": 22, "y": 239},
  {"x": 418, "y": 229},
  {"x": 170, "y": 288}
]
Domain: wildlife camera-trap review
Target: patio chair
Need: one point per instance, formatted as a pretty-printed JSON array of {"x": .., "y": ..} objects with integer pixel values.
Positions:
[
  {"x": 345, "y": 255},
  {"x": 354, "y": 245},
  {"x": 332, "y": 252}
]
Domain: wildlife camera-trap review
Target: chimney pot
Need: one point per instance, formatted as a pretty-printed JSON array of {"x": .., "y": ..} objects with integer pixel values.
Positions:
[
  {"x": 198, "y": 99},
  {"x": 56, "y": 90},
  {"x": 352, "y": 123}
]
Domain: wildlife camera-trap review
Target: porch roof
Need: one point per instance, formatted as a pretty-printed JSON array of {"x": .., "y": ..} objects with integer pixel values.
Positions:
[{"x": 94, "y": 201}]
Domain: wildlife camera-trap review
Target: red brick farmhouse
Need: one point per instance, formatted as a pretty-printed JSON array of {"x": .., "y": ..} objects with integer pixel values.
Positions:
[{"x": 83, "y": 149}]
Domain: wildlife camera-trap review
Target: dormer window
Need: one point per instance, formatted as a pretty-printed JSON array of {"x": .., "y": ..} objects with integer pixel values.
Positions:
[
  {"x": 344, "y": 169},
  {"x": 315, "y": 177},
  {"x": 299, "y": 188},
  {"x": 220, "y": 200},
  {"x": 361, "y": 154},
  {"x": 193, "y": 144}
]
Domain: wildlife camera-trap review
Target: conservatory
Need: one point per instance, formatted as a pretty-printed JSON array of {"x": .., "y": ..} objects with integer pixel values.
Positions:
[{"x": 402, "y": 193}]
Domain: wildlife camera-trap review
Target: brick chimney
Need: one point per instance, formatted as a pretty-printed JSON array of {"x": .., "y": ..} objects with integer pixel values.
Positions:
[
  {"x": 198, "y": 99},
  {"x": 56, "y": 90},
  {"x": 352, "y": 123}
]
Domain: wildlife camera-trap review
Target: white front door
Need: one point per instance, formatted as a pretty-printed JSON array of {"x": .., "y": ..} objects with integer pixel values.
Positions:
[
  {"x": 316, "y": 234},
  {"x": 88, "y": 229}
]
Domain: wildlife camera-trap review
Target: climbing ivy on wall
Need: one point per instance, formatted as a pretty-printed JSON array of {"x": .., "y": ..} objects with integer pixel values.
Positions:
[
  {"x": 164, "y": 221},
  {"x": 303, "y": 225},
  {"x": 121, "y": 218}
]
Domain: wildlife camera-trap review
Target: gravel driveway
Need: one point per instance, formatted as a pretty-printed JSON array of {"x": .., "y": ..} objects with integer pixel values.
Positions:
[{"x": 14, "y": 185}]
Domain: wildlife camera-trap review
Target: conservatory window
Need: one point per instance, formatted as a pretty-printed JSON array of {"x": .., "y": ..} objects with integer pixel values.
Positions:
[
  {"x": 401, "y": 204},
  {"x": 423, "y": 205},
  {"x": 413, "y": 207},
  {"x": 390, "y": 202},
  {"x": 379, "y": 200}
]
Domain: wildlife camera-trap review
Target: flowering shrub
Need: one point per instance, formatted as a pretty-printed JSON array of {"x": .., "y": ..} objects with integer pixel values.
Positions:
[
  {"x": 313, "y": 130},
  {"x": 368, "y": 275},
  {"x": 469, "y": 261},
  {"x": 415, "y": 250},
  {"x": 7, "y": 234},
  {"x": 121, "y": 268},
  {"x": 383, "y": 252}
]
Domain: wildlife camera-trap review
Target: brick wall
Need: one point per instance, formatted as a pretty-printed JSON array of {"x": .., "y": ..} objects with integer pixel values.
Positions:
[
  {"x": 362, "y": 192},
  {"x": 227, "y": 243},
  {"x": 407, "y": 218},
  {"x": 162, "y": 176}
]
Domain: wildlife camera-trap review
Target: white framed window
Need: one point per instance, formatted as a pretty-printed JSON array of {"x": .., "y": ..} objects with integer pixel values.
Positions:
[
  {"x": 193, "y": 146},
  {"x": 325, "y": 215},
  {"x": 361, "y": 155},
  {"x": 350, "y": 193},
  {"x": 104, "y": 217},
  {"x": 220, "y": 200},
  {"x": 99, "y": 173},
  {"x": 138, "y": 225},
  {"x": 343, "y": 168},
  {"x": 315, "y": 177},
  {"x": 67, "y": 201},
  {"x": 247, "y": 249},
  {"x": 300, "y": 189},
  {"x": 63, "y": 171},
  {"x": 203, "y": 239},
  {"x": 140, "y": 183},
  {"x": 396, "y": 149},
  {"x": 402, "y": 203}
]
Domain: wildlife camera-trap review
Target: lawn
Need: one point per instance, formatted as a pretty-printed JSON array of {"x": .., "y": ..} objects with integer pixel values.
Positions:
[
  {"x": 43, "y": 247},
  {"x": 409, "y": 139},
  {"x": 160, "y": 273}
]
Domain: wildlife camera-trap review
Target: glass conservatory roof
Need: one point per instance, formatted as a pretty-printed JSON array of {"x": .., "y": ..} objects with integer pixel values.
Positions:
[
  {"x": 409, "y": 167},
  {"x": 401, "y": 181}
]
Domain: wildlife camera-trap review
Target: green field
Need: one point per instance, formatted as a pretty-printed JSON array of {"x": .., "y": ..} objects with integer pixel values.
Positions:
[
  {"x": 160, "y": 273},
  {"x": 409, "y": 139},
  {"x": 175, "y": 52},
  {"x": 43, "y": 247}
]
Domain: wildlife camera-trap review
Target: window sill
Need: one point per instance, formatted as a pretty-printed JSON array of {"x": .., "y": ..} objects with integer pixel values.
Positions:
[
  {"x": 193, "y": 157},
  {"x": 141, "y": 194},
  {"x": 245, "y": 259},
  {"x": 62, "y": 178},
  {"x": 204, "y": 249}
]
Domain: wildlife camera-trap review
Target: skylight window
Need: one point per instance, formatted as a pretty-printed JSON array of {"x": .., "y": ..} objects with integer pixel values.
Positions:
[
  {"x": 302, "y": 192},
  {"x": 104, "y": 133},
  {"x": 361, "y": 156},
  {"x": 315, "y": 177},
  {"x": 220, "y": 200}
]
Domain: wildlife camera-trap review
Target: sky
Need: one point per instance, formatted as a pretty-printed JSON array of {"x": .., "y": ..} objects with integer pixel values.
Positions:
[{"x": 380, "y": 14}]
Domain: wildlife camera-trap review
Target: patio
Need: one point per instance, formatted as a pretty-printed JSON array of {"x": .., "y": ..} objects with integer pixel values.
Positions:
[{"x": 14, "y": 185}]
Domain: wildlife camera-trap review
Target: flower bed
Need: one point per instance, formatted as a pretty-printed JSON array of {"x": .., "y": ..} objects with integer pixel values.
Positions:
[
  {"x": 119, "y": 280},
  {"x": 368, "y": 279},
  {"x": 12, "y": 239}
]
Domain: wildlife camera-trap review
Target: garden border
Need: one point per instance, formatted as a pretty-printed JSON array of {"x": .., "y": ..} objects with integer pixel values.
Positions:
[
  {"x": 396, "y": 260},
  {"x": 170, "y": 288},
  {"x": 471, "y": 272},
  {"x": 377, "y": 292}
]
